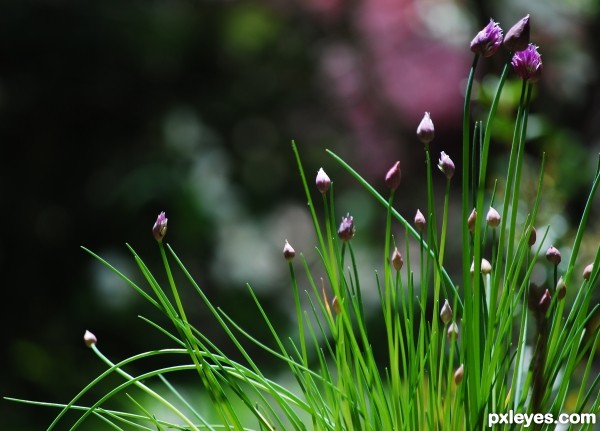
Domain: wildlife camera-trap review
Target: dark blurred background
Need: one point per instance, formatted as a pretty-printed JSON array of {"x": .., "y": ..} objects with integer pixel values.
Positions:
[{"x": 113, "y": 111}]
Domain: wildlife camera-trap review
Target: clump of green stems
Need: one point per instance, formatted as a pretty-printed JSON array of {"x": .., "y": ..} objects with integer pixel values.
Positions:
[{"x": 425, "y": 379}]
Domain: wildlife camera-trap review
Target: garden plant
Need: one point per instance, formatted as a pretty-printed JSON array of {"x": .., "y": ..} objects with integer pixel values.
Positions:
[{"x": 463, "y": 340}]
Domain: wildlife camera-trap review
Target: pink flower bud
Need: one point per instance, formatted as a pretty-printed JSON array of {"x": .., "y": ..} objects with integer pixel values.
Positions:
[
  {"x": 323, "y": 181},
  {"x": 446, "y": 312},
  {"x": 89, "y": 339},
  {"x": 517, "y": 38},
  {"x": 288, "y": 251},
  {"x": 397, "y": 261},
  {"x": 553, "y": 255},
  {"x": 159, "y": 230},
  {"x": 426, "y": 131},
  {"x": 493, "y": 218},
  {"x": 446, "y": 165},
  {"x": 471, "y": 220},
  {"x": 587, "y": 271},
  {"x": 393, "y": 176},
  {"x": 420, "y": 221},
  {"x": 346, "y": 229},
  {"x": 458, "y": 374}
]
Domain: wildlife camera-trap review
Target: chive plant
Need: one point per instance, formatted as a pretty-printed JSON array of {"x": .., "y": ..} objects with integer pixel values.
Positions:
[{"x": 461, "y": 342}]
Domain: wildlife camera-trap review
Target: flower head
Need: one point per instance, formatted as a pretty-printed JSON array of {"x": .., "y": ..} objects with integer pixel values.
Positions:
[
  {"x": 488, "y": 40},
  {"x": 420, "y": 221},
  {"x": 89, "y": 339},
  {"x": 553, "y": 255},
  {"x": 532, "y": 237},
  {"x": 446, "y": 312},
  {"x": 159, "y": 230},
  {"x": 323, "y": 181},
  {"x": 493, "y": 218},
  {"x": 346, "y": 229},
  {"x": 426, "y": 131},
  {"x": 517, "y": 38},
  {"x": 453, "y": 331},
  {"x": 446, "y": 165},
  {"x": 561, "y": 288},
  {"x": 288, "y": 251},
  {"x": 393, "y": 176},
  {"x": 459, "y": 374},
  {"x": 587, "y": 271},
  {"x": 528, "y": 63},
  {"x": 397, "y": 261},
  {"x": 471, "y": 220},
  {"x": 545, "y": 301}
]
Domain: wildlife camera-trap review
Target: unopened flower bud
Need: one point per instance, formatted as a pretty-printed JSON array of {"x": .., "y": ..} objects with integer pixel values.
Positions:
[
  {"x": 458, "y": 374},
  {"x": 446, "y": 312},
  {"x": 553, "y": 255},
  {"x": 528, "y": 63},
  {"x": 393, "y": 176},
  {"x": 335, "y": 304},
  {"x": 587, "y": 271},
  {"x": 486, "y": 267},
  {"x": 426, "y": 131},
  {"x": 532, "y": 237},
  {"x": 517, "y": 38},
  {"x": 446, "y": 165},
  {"x": 159, "y": 230},
  {"x": 288, "y": 251},
  {"x": 453, "y": 331},
  {"x": 420, "y": 221},
  {"x": 544, "y": 302},
  {"x": 561, "y": 288},
  {"x": 493, "y": 218},
  {"x": 397, "y": 261},
  {"x": 471, "y": 220},
  {"x": 323, "y": 181},
  {"x": 346, "y": 229},
  {"x": 89, "y": 339},
  {"x": 488, "y": 40}
]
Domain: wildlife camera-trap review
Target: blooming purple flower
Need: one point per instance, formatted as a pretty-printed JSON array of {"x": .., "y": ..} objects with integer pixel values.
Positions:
[
  {"x": 488, "y": 40},
  {"x": 528, "y": 63},
  {"x": 346, "y": 229},
  {"x": 159, "y": 230}
]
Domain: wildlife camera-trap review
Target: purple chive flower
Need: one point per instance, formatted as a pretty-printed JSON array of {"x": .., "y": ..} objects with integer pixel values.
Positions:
[
  {"x": 446, "y": 165},
  {"x": 426, "y": 131},
  {"x": 393, "y": 176},
  {"x": 517, "y": 38},
  {"x": 528, "y": 63},
  {"x": 346, "y": 230},
  {"x": 323, "y": 181},
  {"x": 159, "y": 230},
  {"x": 488, "y": 40}
]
